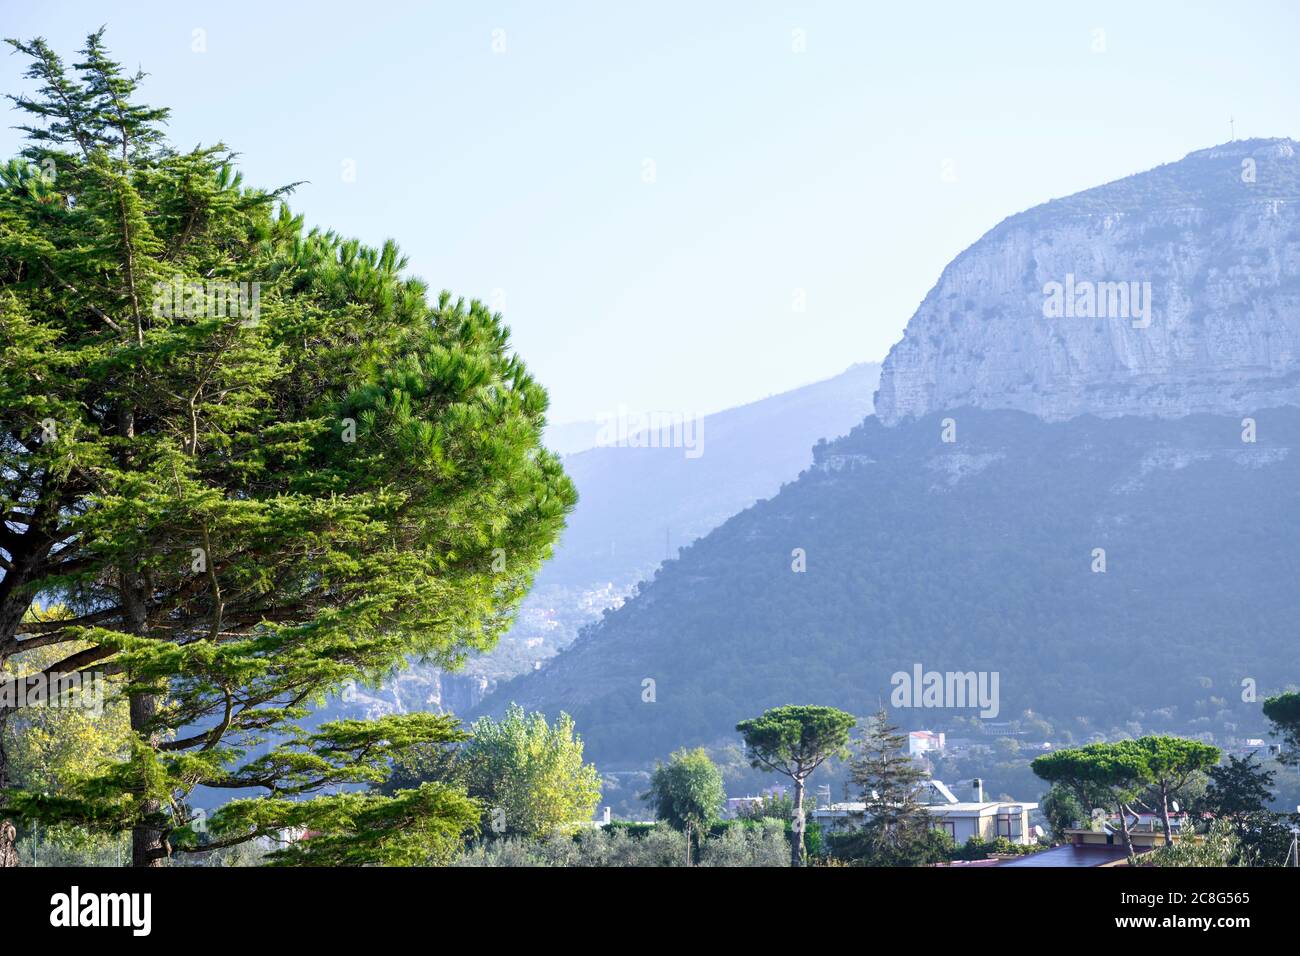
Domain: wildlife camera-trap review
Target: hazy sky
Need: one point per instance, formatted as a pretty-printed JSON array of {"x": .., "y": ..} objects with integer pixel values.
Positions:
[{"x": 520, "y": 176}]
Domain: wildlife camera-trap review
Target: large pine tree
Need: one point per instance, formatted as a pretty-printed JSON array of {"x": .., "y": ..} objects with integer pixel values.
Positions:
[{"x": 253, "y": 462}]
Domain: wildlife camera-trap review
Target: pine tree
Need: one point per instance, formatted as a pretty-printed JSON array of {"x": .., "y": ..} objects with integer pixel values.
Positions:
[
  {"x": 889, "y": 780},
  {"x": 1284, "y": 712},
  {"x": 1101, "y": 775},
  {"x": 795, "y": 740},
  {"x": 254, "y": 462},
  {"x": 1172, "y": 763}
]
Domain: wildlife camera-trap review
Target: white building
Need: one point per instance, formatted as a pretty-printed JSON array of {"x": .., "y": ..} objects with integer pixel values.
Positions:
[
  {"x": 921, "y": 742},
  {"x": 986, "y": 819}
]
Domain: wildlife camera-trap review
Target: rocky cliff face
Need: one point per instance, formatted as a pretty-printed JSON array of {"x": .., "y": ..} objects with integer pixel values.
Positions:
[
  {"x": 1168, "y": 293},
  {"x": 415, "y": 689}
]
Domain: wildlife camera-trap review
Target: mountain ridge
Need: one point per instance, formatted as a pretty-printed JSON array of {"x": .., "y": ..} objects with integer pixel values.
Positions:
[
  {"x": 1215, "y": 238},
  {"x": 1101, "y": 509}
]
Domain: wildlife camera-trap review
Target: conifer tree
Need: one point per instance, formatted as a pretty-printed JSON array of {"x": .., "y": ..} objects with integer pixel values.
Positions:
[
  {"x": 1284, "y": 711},
  {"x": 795, "y": 740},
  {"x": 889, "y": 779},
  {"x": 1172, "y": 763},
  {"x": 254, "y": 462},
  {"x": 1103, "y": 776}
]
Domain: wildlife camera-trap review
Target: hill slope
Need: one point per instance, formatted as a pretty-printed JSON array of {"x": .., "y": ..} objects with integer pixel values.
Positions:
[
  {"x": 1097, "y": 428},
  {"x": 973, "y": 556},
  {"x": 629, "y": 497}
]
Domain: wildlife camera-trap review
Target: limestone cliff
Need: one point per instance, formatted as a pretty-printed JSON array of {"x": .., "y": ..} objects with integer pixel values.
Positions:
[{"x": 1182, "y": 289}]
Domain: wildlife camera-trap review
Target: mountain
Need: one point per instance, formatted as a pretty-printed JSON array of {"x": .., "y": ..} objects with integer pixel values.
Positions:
[
  {"x": 636, "y": 503},
  {"x": 973, "y": 556},
  {"x": 1075, "y": 507},
  {"x": 1211, "y": 245}
]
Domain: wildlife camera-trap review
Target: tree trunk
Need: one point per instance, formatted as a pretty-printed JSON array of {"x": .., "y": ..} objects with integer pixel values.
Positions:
[
  {"x": 1164, "y": 817},
  {"x": 146, "y": 837},
  {"x": 8, "y": 852},
  {"x": 1128, "y": 839},
  {"x": 8, "y": 832},
  {"x": 796, "y": 838},
  {"x": 147, "y": 847},
  {"x": 688, "y": 844}
]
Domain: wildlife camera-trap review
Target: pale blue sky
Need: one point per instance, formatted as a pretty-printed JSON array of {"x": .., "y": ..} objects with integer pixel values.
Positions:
[{"x": 776, "y": 171}]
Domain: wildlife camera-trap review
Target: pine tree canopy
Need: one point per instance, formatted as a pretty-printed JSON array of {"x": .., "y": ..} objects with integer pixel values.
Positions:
[
  {"x": 796, "y": 739},
  {"x": 252, "y": 462},
  {"x": 1284, "y": 711},
  {"x": 890, "y": 780}
]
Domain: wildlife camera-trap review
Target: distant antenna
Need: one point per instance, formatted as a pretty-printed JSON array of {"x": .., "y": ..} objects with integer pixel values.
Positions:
[{"x": 1232, "y": 128}]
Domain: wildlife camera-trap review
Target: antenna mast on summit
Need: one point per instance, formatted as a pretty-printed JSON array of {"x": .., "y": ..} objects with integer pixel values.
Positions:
[{"x": 1232, "y": 128}]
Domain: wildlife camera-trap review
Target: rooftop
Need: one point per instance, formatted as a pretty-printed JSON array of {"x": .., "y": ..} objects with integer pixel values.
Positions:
[{"x": 1072, "y": 856}]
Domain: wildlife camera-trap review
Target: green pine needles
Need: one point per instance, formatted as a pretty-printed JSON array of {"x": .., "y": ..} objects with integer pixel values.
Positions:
[{"x": 249, "y": 463}]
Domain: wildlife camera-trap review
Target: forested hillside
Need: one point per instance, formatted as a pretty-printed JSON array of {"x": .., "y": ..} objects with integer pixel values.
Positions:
[{"x": 976, "y": 555}]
